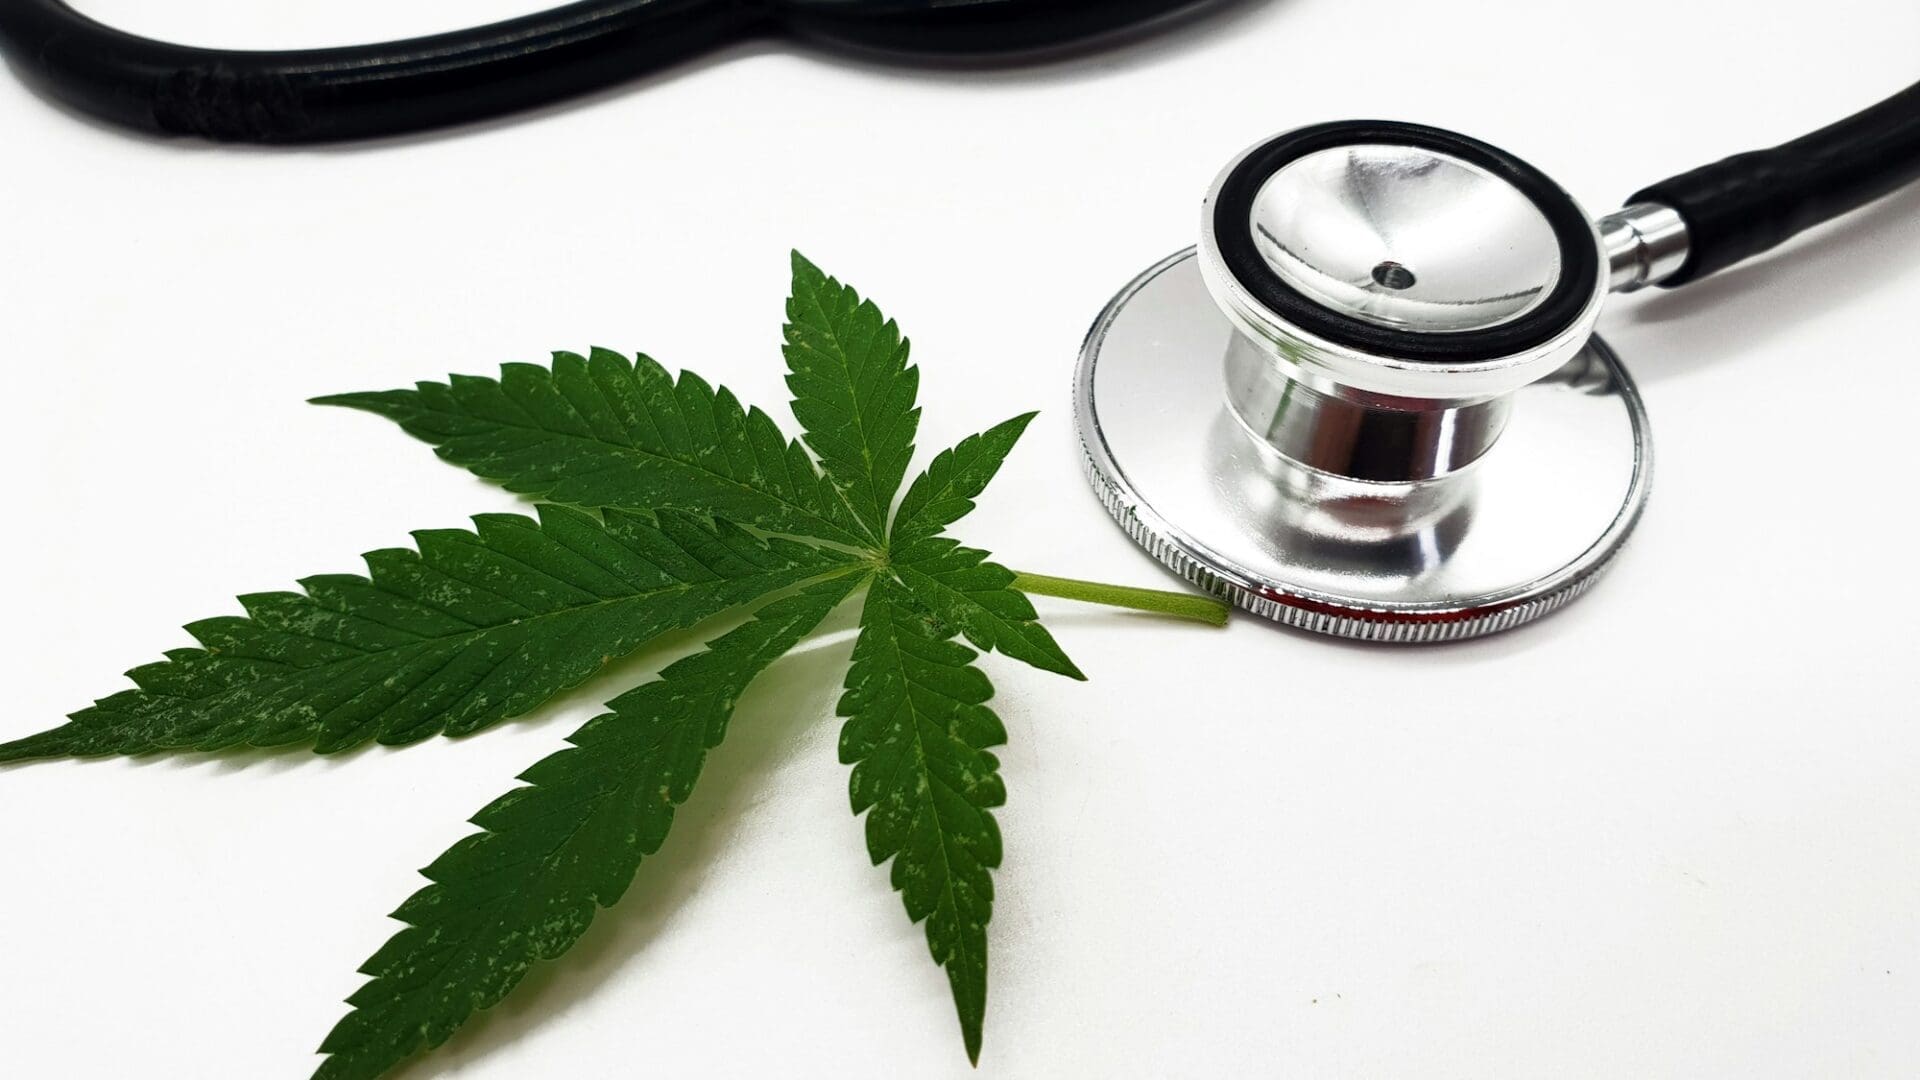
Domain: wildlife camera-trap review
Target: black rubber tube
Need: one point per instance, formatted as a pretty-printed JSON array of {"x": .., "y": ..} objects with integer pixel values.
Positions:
[
  {"x": 389, "y": 88},
  {"x": 361, "y": 90},
  {"x": 1746, "y": 204}
]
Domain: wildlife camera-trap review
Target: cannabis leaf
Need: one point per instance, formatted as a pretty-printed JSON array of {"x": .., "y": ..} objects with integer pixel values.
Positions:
[
  {"x": 916, "y": 735},
  {"x": 945, "y": 492},
  {"x": 852, "y": 390},
  {"x": 960, "y": 586},
  {"x": 668, "y": 503},
  {"x": 551, "y": 853},
  {"x": 600, "y": 431},
  {"x": 474, "y": 628}
]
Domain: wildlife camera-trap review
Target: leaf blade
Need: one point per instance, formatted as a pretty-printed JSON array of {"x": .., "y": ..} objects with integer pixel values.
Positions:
[
  {"x": 604, "y": 431},
  {"x": 555, "y": 851},
  {"x": 958, "y": 585},
  {"x": 853, "y": 390},
  {"x": 470, "y": 629},
  {"x": 944, "y": 492},
  {"x": 917, "y": 733}
]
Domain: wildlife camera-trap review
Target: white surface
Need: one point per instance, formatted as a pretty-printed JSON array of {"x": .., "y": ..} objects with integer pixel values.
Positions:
[{"x": 1669, "y": 832}]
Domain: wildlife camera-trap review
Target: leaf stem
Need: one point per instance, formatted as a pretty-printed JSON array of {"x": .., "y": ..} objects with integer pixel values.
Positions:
[{"x": 1178, "y": 605}]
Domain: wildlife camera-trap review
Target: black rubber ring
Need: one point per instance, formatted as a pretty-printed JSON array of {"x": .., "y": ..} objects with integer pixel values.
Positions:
[{"x": 1579, "y": 255}]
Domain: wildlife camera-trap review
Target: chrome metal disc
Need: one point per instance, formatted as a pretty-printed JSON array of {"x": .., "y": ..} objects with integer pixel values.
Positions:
[
  {"x": 1513, "y": 536},
  {"x": 1403, "y": 237}
]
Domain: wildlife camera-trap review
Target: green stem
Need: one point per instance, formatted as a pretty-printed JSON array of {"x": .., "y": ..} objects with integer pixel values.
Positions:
[{"x": 1179, "y": 605}]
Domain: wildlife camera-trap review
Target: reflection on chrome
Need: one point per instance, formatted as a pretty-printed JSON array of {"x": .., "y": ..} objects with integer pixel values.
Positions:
[{"x": 1336, "y": 525}]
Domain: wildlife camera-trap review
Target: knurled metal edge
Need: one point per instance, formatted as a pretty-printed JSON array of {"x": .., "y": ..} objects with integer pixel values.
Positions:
[
  {"x": 1319, "y": 617},
  {"x": 1322, "y": 615}
]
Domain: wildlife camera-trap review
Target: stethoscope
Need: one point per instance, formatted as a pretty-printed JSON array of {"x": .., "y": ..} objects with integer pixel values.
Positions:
[
  {"x": 388, "y": 88},
  {"x": 1371, "y": 402}
]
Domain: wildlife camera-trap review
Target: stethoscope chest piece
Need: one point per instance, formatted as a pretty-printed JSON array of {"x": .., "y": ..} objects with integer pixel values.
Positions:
[{"x": 1370, "y": 404}]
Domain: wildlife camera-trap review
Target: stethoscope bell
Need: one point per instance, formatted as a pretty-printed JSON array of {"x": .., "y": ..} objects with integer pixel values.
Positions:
[{"x": 1370, "y": 403}]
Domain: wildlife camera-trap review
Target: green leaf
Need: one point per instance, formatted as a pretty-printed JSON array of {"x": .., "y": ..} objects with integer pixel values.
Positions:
[
  {"x": 552, "y": 852},
  {"x": 600, "y": 431},
  {"x": 853, "y": 392},
  {"x": 662, "y": 489},
  {"x": 916, "y": 735},
  {"x": 470, "y": 630},
  {"x": 959, "y": 586},
  {"x": 945, "y": 492}
]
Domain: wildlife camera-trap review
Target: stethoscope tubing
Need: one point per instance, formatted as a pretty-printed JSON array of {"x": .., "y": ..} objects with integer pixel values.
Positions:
[
  {"x": 358, "y": 91},
  {"x": 1733, "y": 209},
  {"x": 1746, "y": 204},
  {"x": 396, "y": 87}
]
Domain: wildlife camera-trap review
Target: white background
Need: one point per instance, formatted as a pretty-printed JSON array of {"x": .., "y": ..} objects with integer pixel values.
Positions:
[{"x": 1669, "y": 832}]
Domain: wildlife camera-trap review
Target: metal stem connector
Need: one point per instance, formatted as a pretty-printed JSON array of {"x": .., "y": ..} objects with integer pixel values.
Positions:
[{"x": 1646, "y": 243}]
